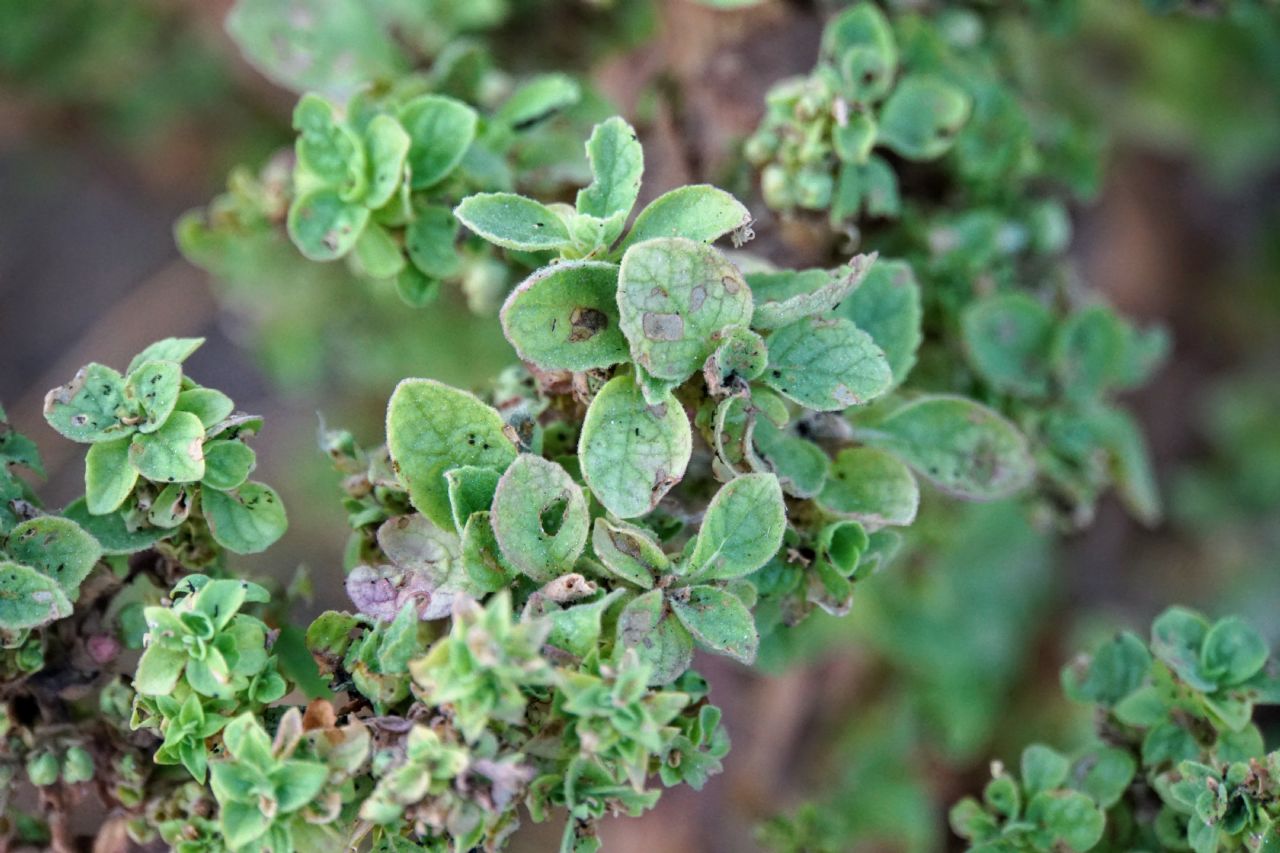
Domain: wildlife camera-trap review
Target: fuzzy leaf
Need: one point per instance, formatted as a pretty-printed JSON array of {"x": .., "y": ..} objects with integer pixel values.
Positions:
[
  {"x": 718, "y": 620},
  {"x": 922, "y": 117},
  {"x": 801, "y": 465},
  {"x": 208, "y": 405},
  {"x": 323, "y": 226},
  {"x": 699, "y": 212},
  {"x": 470, "y": 491},
  {"x": 963, "y": 447},
  {"x": 109, "y": 476},
  {"x": 674, "y": 297},
  {"x": 617, "y": 165},
  {"x": 432, "y": 428},
  {"x": 826, "y": 364},
  {"x": 430, "y": 240},
  {"x": 887, "y": 307},
  {"x": 647, "y": 625},
  {"x": 1007, "y": 339},
  {"x": 565, "y": 317},
  {"x": 377, "y": 255},
  {"x": 539, "y": 517},
  {"x": 247, "y": 520},
  {"x": 632, "y": 453},
  {"x": 441, "y": 130},
  {"x": 159, "y": 669},
  {"x": 172, "y": 454},
  {"x": 629, "y": 552},
  {"x": 111, "y": 530},
  {"x": 153, "y": 387},
  {"x": 329, "y": 153},
  {"x": 782, "y": 298},
  {"x": 28, "y": 598},
  {"x": 169, "y": 349},
  {"x": 513, "y": 222},
  {"x": 387, "y": 144},
  {"x": 741, "y": 530},
  {"x": 227, "y": 463},
  {"x": 538, "y": 99},
  {"x": 89, "y": 408},
  {"x": 57, "y": 548},
  {"x": 1233, "y": 651},
  {"x": 871, "y": 486}
]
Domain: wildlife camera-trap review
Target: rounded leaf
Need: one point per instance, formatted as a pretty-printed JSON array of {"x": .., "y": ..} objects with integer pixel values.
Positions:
[
  {"x": 432, "y": 428},
  {"x": 632, "y": 453},
  {"x": 565, "y": 317},
  {"x": 440, "y": 130},
  {"x": 247, "y": 520},
  {"x": 826, "y": 364},
  {"x": 871, "y": 486},
  {"x": 539, "y": 517},
  {"x": 172, "y": 454},
  {"x": 675, "y": 299},
  {"x": 741, "y": 530}
]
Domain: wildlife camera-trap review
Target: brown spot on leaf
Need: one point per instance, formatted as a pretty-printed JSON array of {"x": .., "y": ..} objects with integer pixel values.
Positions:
[
  {"x": 586, "y": 323},
  {"x": 663, "y": 327}
]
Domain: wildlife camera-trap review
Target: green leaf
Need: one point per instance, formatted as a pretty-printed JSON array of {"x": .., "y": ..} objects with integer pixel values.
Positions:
[
  {"x": 112, "y": 532},
  {"x": 470, "y": 490},
  {"x": 1177, "y": 636},
  {"x": 826, "y": 364},
  {"x": 29, "y": 599},
  {"x": 329, "y": 154},
  {"x": 699, "y": 212},
  {"x": 801, "y": 465},
  {"x": 159, "y": 669},
  {"x": 432, "y": 428},
  {"x": 783, "y": 297},
  {"x": 172, "y": 454},
  {"x": 1117, "y": 669},
  {"x": 629, "y": 552},
  {"x": 647, "y": 625},
  {"x": 430, "y": 240},
  {"x": 376, "y": 254},
  {"x": 514, "y": 222},
  {"x": 323, "y": 226},
  {"x": 859, "y": 41},
  {"x": 1233, "y": 652},
  {"x": 718, "y": 621},
  {"x": 481, "y": 558},
  {"x": 617, "y": 165},
  {"x": 854, "y": 139},
  {"x": 247, "y": 520},
  {"x": 922, "y": 117},
  {"x": 90, "y": 407},
  {"x": 577, "y": 629},
  {"x": 56, "y": 547},
  {"x": 1043, "y": 769},
  {"x": 740, "y": 358},
  {"x": 565, "y": 317},
  {"x": 537, "y": 100},
  {"x": 1070, "y": 816},
  {"x": 675, "y": 298},
  {"x": 961, "y": 446},
  {"x": 441, "y": 130},
  {"x": 1107, "y": 774},
  {"x": 334, "y": 45},
  {"x": 632, "y": 453},
  {"x": 741, "y": 530},
  {"x": 387, "y": 144},
  {"x": 1088, "y": 352},
  {"x": 208, "y": 405},
  {"x": 540, "y": 518},
  {"x": 153, "y": 387},
  {"x": 172, "y": 506},
  {"x": 169, "y": 349},
  {"x": 887, "y": 308},
  {"x": 227, "y": 463},
  {"x": 109, "y": 477},
  {"x": 871, "y": 486},
  {"x": 1007, "y": 339}
]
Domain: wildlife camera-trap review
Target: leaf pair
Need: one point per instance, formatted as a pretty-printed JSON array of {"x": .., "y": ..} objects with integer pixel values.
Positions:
[
  {"x": 592, "y": 227},
  {"x": 42, "y": 563}
]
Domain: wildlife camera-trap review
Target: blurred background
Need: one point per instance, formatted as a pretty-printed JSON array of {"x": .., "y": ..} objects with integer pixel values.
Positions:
[{"x": 117, "y": 116}]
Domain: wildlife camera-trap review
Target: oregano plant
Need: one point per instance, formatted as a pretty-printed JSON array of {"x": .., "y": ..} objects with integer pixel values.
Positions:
[{"x": 696, "y": 447}]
